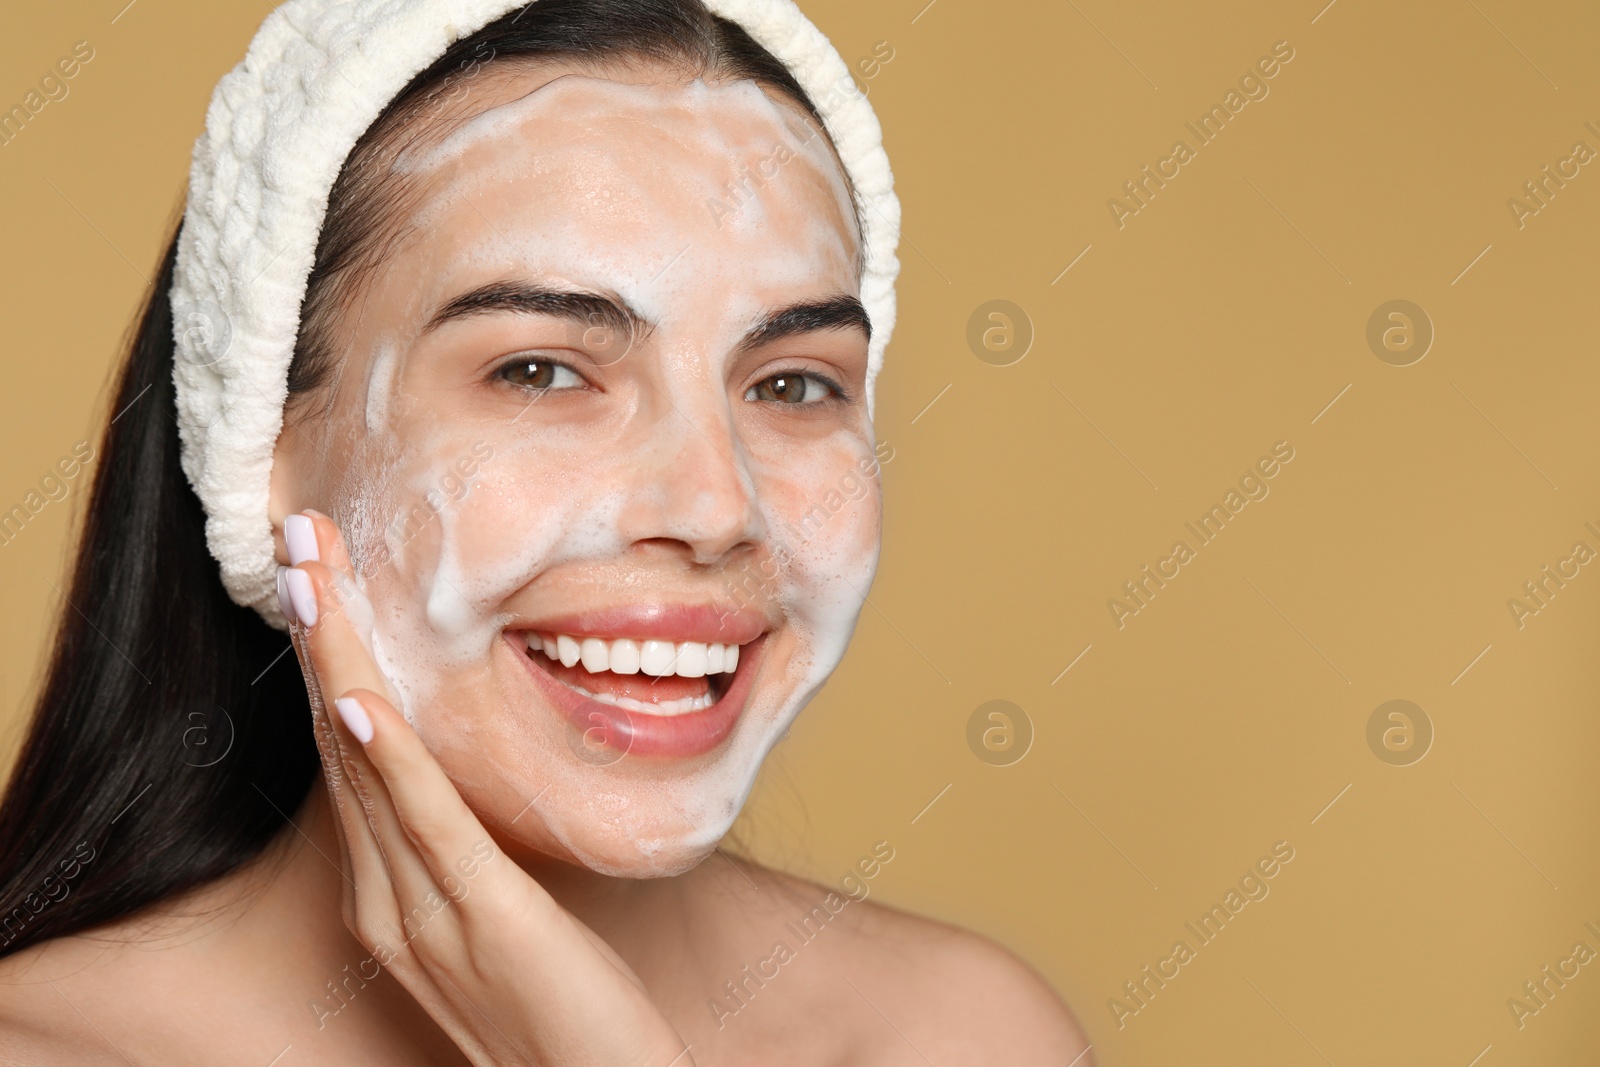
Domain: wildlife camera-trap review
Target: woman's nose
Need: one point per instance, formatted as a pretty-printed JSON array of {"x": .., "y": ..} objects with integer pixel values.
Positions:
[{"x": 694, "y": 485}]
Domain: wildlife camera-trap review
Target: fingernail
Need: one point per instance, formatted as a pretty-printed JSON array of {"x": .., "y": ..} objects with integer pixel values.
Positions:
[
  {"x": 301, "y": 538},
  {"x": 355, "y": 717},
  {"x": 284, "y": 603},
  {"x": 302, "y": 594}
]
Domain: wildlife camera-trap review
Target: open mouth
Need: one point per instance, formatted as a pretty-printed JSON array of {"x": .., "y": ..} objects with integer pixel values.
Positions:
[
  {"x": 640, "y": 695},
  {"x": 652, "y": 677}
]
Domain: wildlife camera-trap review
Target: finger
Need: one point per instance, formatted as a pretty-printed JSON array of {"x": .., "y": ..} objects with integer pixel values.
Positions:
[
  {"x": 340, "y": 646},
  {"x": 390, "y": 877},
  {"x": 342, "y": 660},
  {"x": 311, "y": 535},
  {"x": 328, "y": 749},
  {"x": 336, "y": 619},
  {"x": 336, "y": 782},
  {"x": 360, "y": 859},
  {"x": 449, "y": 837}
]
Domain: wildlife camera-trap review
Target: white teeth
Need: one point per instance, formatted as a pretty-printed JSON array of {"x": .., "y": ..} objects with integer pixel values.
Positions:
[
  {"x": 691, "y": 659},
  {"x": 659, "y": 659},
  {"x": 624, "y": 656},
  {"x": 666, "y": 707},
  {"x": 656, "y": 658},
  {"x": 594, "y": 654},
  {"x": 568, "y": 649}
]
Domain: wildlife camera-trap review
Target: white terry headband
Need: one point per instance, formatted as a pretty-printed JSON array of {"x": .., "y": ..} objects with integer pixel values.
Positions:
[{"x": 278, "y": 131}]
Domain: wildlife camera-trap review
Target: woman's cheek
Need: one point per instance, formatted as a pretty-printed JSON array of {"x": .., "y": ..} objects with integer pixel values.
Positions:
[
  {"x": 529, "y": 509},
  {"x": 823, "y": 504},
  {"x": 825, "y": 543},
  {"x": 843, "y": 546}
]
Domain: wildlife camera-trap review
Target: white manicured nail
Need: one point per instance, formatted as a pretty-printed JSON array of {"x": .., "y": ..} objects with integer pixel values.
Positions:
[
  {"x": 301, "y": 538},
  {"x": 303, "y": 595},
  {"x": 355, "y": 717}
]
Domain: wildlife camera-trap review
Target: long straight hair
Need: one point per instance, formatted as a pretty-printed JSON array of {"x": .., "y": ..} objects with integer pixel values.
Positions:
[{"x": 171, "y": 739}]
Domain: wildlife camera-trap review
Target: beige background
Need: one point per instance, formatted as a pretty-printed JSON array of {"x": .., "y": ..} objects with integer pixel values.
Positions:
[{"x": 1224, "y": 317}]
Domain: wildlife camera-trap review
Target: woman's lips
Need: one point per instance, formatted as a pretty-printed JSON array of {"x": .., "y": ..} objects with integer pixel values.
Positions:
[{"x": 609, "y": 731}]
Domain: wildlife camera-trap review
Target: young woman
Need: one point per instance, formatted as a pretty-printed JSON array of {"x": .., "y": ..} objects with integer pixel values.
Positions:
[{"x": 518, "y": 422}]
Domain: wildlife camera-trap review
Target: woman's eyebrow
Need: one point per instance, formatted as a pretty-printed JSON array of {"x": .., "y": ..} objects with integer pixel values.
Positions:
[
  {"x": 594, "y": 309},
  {"x": 835, "y": 313},
  {"x": 588, "y": 309}
]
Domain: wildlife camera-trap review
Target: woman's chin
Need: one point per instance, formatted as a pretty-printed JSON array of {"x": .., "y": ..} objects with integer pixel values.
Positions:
[
  {"x": 673, "y": 852},
  {"x": 666, "y": 863}
]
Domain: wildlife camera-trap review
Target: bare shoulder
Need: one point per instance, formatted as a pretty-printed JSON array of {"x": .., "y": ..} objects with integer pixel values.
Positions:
[
  {"x": 36, "y": 1024},
  {"x": 991, "y": 1006},
  {"x": 948, "y": 995}
]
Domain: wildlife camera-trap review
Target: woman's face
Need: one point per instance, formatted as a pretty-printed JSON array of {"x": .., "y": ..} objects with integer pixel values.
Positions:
[{"x": 604, "y": 399}]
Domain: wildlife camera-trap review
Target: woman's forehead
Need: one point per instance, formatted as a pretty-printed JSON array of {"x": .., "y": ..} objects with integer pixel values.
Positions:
[
  {"x": 556, "y": 101},
  {"x": 653, "y": 188}
]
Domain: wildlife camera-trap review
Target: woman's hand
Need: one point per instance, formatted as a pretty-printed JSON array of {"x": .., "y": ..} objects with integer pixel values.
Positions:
[{"x": 505, "y": 971}]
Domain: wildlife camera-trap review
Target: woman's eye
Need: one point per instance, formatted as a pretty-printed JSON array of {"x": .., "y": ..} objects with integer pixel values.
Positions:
[
  {"x": 792, "y": 389},
  {"x": 540, "y": 374}
]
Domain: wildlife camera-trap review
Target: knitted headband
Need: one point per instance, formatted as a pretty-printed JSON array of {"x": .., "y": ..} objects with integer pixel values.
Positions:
[{"x": 278, "y": 131}]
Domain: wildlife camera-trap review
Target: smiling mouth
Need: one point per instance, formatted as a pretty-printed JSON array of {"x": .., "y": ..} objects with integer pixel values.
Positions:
[
  {"x": 632, "y": 682},
  {"x": 654, "y": 676}
]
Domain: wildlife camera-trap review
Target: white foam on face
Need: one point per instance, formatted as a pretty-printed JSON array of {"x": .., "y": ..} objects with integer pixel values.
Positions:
[
  {"x": 459, "y": 509},
  {"x": 380, "y": 384}
]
